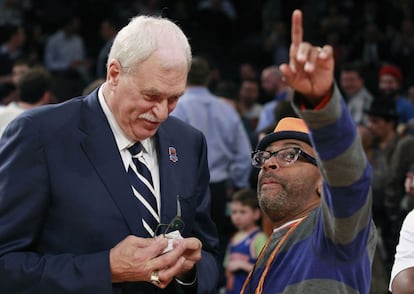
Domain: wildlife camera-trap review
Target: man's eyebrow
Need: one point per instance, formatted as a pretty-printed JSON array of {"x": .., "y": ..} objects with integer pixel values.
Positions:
[
  {"x": 150, "y": 91},
  {"x": 155, "y": 92}
]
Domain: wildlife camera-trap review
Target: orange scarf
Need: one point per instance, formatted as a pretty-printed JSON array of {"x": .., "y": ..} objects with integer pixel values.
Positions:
[{"x": 259, "y": 289}]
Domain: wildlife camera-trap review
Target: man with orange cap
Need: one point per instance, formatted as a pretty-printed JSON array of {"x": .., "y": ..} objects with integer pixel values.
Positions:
[{"x": 314, "y": 185}]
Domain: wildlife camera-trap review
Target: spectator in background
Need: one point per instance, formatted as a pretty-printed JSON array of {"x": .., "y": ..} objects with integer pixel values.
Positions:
[
  {"x": 382, "y": 120},
  {"x": 226, "y": 138},
  {"x": 398, "y": 200},
  {"x": 390, "y": 84},
  {"x": 358, "y": 97},
  {"x": 65, "y": 58},
  {"x": 11, "y": 49},
  {"x": 276, "y": 90},
  {"x": 109, "y": 29},
  {"x": 227, "y": 90},
  {"x": 228, "y": 145},
  {"x": 250, "y": 108},
  {"x": 402, "y": 274},
  {"x": 33, "y": 89},
  {"x": 20, "y": 66},
  {"x": 246, "y": 244}
]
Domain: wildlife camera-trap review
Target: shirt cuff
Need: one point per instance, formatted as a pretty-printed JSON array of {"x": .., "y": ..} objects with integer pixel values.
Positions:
[
  {"x": 324, "y": 101},
  {"x": 184, "y": 283}
]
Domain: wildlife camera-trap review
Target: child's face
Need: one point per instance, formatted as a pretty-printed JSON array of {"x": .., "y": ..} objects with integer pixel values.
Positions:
[{"x": 243, "y": 217}]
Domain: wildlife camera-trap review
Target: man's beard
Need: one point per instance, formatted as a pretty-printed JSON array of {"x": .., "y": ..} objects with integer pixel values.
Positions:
[{"x": 275, "y": 206}]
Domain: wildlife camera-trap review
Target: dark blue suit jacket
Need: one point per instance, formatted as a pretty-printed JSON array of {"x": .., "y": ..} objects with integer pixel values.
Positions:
[{"x": 65, "y": 200}]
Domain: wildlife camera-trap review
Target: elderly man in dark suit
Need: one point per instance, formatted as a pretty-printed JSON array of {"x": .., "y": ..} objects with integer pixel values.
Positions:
[{"x": 74, "y": 211}]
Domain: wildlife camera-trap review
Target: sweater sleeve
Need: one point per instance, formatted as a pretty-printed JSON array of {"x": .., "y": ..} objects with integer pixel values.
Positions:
[{"x": 345, "y": 215}]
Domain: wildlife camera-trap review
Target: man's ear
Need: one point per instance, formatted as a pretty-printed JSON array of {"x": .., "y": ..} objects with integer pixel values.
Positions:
[
  {"x": 319, "y": 188},
  {"x": 114, "y": 70}
]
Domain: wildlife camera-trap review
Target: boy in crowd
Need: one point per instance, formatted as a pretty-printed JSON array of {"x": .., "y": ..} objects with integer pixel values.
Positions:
[{"x": 247, "y": 242}]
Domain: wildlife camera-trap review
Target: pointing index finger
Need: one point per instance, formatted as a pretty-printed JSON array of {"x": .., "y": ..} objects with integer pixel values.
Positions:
[{"x": 297, "y": 28}]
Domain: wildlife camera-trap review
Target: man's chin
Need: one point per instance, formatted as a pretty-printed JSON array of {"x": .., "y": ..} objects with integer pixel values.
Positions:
[
  {"x": 151, "y": 132},
  {"x": 145, "y": 133}
]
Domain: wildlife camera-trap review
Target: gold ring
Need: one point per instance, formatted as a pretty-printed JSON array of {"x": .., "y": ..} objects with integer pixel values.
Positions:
[{"x": 155, "y": 278}]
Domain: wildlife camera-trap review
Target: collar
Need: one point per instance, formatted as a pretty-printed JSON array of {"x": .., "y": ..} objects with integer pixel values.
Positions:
[
  {"x": 288, "y": 224},
  {"x": 121, "y": 140}
]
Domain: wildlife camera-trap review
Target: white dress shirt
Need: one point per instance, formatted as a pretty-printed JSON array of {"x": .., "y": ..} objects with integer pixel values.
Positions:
[{"x": 123, "y": 143}]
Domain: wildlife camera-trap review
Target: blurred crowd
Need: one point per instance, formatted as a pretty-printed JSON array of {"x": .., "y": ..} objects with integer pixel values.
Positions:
[
  {"x": 67, "y": 43},
  {"x": 75, "y": 35}
]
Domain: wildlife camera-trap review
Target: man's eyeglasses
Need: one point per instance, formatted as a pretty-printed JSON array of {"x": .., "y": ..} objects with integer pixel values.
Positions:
[
  {"x": 284, "y": 157},
  {"x": 176, "y": 224}
]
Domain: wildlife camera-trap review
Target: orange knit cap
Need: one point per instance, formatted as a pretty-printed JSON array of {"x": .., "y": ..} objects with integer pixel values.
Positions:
[{"x": 287, "y": 128}]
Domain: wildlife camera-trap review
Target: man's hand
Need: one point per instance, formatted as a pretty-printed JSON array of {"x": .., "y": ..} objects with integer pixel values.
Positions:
[
  {"x": 136, "y": 259},
  {"x": 311, "y": 69},
  {"x": 192, "y": 254}
]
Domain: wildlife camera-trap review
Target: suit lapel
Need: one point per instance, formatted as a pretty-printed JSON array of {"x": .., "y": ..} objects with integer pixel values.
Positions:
[{"x": 100, "y": 147}]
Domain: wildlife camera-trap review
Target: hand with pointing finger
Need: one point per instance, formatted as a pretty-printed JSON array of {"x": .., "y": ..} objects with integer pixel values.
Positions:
[{"x": 311, "y": 69}]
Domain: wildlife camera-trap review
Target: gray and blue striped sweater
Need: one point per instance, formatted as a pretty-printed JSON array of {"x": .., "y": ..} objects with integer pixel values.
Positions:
[{"x": 331, "y": 251}]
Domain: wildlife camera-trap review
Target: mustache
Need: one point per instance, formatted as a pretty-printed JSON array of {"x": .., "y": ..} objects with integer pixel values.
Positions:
[
  {"x": 266, "y": 175},
  {"x": 148, "y": 116}
]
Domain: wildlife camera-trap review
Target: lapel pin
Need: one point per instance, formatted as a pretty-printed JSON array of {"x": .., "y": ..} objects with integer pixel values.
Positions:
[{"x": 173, "y": 154}]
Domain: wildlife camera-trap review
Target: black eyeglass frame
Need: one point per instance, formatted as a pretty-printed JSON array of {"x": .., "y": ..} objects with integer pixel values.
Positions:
[{"x": 257, "y": 163}]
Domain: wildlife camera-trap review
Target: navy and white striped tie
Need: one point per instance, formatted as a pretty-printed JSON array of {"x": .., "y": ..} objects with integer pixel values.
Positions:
[{"x": 143, "y": 188}]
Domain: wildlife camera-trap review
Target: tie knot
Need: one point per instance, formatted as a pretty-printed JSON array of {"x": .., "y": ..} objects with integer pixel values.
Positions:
[{"x": 135, "y": 149}]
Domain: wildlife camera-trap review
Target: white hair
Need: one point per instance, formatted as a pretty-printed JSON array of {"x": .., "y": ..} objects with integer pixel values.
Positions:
[{"x": 144, "y": 35}]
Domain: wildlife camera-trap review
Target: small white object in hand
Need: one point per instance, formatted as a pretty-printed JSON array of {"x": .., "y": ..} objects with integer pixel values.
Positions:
[{"x": 175, "y": 235}]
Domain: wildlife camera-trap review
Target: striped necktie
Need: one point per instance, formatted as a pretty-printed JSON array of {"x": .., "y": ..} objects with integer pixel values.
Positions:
[{"x": 143, "y": 188}]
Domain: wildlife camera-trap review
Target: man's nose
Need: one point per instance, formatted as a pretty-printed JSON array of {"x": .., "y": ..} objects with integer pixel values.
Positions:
[
  {"x": 270, "y": 163},
  {"x": 160, "y": 109}
]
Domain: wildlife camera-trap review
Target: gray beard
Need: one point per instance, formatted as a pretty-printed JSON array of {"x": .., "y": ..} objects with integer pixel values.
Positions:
[{"x": 277, "y": 206}]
